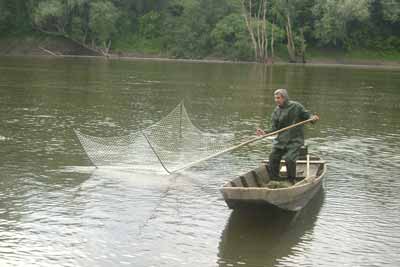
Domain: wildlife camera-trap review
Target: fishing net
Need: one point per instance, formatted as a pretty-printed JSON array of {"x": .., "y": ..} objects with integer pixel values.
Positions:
[{"x": 173, "y": 142}]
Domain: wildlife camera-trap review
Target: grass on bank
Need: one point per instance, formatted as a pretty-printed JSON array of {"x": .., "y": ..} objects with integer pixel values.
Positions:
[
  {"x": 131, "y": 44},
  {"x": 355, "y": 56}
]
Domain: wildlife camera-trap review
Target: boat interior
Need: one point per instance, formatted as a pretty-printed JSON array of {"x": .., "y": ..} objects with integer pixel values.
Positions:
[{"x": 259, "y": 177}]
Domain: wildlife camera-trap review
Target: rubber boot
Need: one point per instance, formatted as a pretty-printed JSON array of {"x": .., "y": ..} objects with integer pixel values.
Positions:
[
  {"x": 291, "y": 171},
  {"x": 273, "y": 169}
]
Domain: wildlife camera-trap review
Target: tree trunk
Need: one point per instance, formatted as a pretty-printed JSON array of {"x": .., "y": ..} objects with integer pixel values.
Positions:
[
  {"x": 258, "y": 32},
  {"x": 107, "y": 47},
  {"x": 303, "y": 46},
  {"x": 272, "y": 42},
  {"x": 290, "y": 43},
  {"x": 264, "y": 31},
  {"x": 247, "y": 17}
]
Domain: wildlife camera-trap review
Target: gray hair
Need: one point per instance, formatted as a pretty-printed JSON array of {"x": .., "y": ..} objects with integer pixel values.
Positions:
[{"x": 282, "y": 92}]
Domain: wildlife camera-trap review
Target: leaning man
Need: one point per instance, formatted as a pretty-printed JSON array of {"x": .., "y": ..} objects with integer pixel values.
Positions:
[{"x": 288, "y": 143}]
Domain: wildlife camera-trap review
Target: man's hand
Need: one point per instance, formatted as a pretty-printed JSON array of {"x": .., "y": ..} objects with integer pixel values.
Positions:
[
  {"x": 315, "y": 118},
  {"x": 260, "y": 132}
]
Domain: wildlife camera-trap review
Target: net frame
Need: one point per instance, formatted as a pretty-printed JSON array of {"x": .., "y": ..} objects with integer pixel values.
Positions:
[{"x": 171, "y": 143}]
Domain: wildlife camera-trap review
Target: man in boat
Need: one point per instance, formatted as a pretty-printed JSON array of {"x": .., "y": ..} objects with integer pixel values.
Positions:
[{"x": 288, "y": 143}]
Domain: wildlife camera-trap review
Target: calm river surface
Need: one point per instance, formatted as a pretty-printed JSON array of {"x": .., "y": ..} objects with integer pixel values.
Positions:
[{"x": 56, "y": 210}]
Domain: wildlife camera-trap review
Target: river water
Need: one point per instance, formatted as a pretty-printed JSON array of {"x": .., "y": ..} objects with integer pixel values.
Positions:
[{"x": 57, "y": 210}]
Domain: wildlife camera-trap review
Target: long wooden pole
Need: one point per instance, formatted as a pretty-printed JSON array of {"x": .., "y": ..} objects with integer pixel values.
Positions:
[{"x": 244, "y": 143}]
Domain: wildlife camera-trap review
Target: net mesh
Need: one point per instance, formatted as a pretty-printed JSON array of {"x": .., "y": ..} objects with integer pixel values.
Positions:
[{"x": 172, "y": 143}]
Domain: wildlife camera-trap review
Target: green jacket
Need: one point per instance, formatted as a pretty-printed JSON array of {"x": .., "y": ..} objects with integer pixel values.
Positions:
[{"x": 292, "y": 112}]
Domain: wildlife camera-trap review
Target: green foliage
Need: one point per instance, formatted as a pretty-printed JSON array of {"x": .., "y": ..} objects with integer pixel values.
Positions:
[
  {"x": 355, "y": 55},
  {"x": 5, "y": 16},
  {"x": 334, "y": 18},
  {"x": 231, "y": 39},
  {"x": 134, "y": 44},
  {"x": 391, "y": 43},
  {"x": 49, "y": 15},
  {"x": 125, "y": 24},
  {"x": 150, "y": 25},
  {"x": 187, "y": 34},
  {"x": 103, "y": 17},
  {"x": 14, "y": 17},
  {"x": 77, "y": 30},
  {"x": 391, "y": 10},
  {"x": 59, "y": 16}
]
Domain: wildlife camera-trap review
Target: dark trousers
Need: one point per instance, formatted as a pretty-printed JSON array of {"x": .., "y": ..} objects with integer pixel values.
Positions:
[{"x": 290, "y": 155}]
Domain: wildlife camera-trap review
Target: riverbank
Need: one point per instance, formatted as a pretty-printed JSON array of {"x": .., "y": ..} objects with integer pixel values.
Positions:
[
  {"x": 41, "y": 45},
  {"x": 60, "y": 46}
]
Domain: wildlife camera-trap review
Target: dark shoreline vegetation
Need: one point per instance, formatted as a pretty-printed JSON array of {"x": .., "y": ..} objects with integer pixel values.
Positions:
[
  {"x": 364, "y": 32},
  {"x": 31, "y": 45}
]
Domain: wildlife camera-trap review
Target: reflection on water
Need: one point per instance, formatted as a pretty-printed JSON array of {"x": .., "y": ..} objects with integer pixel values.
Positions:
[
  {"x": 35, "y": 211},
  {"x": 56, "y": 210},
  {"x": 264, "y": 236}
]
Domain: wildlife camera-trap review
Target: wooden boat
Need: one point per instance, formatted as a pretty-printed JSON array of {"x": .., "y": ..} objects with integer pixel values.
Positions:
[{"x": 254, "y": 187}]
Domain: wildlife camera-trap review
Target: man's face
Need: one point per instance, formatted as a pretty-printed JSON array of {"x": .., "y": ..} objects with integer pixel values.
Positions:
[{"x": 279, "y": 100}]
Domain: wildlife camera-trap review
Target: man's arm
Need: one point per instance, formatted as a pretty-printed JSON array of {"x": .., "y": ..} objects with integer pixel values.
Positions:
[
  {"x": 274, "y": 126},
  {"x": 305, "y": 115}
]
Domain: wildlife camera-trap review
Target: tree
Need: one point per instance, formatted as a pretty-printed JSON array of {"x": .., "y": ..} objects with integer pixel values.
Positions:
[
  {"x": 14, "y": 16},
  {"x": 382, "y": 30},
  {"x": 5, "y": 16},
  {"x": 89, "y": 23},
  {"x": 294, "y": 17},
  {"x": 334, "y": 19},
  {"x": 188, "y": 26},
  {"x": 255, "y": 15},
  {"x": 50, "y": 16},
  {"x": 231, "y": 39},
  {"x": 102, "y": 20},
  {"x": 391, "y": 10},
  {"x": 150, "y": 25}
]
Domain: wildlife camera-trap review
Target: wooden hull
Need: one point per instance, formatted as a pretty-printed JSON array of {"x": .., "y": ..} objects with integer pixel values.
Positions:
[{"x": 250, "y": 188}]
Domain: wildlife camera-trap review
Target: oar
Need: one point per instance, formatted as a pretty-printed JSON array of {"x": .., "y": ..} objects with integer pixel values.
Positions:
[{"x": 244, "y": 143}]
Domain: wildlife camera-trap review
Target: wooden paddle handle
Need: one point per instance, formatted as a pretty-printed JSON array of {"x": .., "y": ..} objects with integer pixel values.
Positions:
[{"x": 245, "y": 143}]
